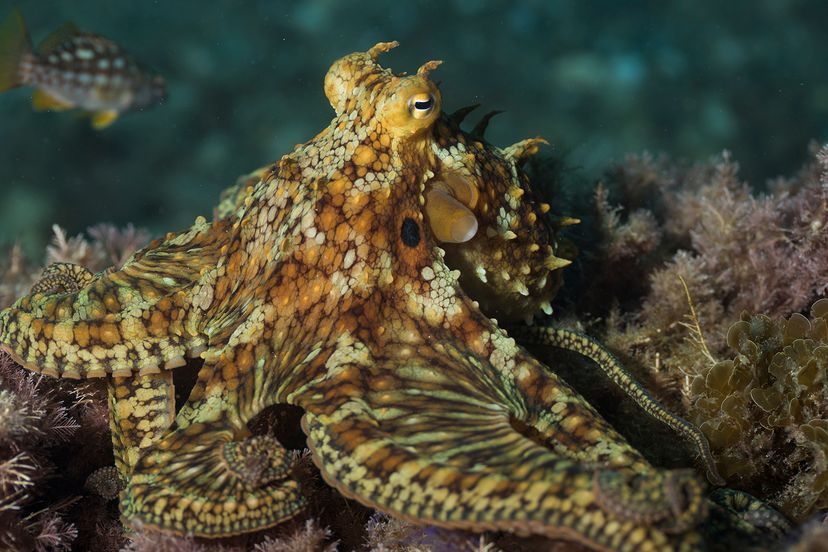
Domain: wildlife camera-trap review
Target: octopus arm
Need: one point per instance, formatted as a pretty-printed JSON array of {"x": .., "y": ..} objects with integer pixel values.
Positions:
[
  {"x": 76, "y": 324},
  {"x": 425, "y": 444},
  {"x": 207, "y": 476},
  {"x": 141, "y": 409},
  {"x": 607, "y": 362}
]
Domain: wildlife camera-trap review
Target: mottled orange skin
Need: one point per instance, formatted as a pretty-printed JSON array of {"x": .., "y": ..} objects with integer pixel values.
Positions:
[
  {"x": 322, "y": 286},
  {"x": 510, "y": 266}
]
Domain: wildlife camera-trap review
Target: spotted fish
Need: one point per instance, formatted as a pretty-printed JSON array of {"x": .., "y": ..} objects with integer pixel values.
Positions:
[{"x": 74, "y": 69}]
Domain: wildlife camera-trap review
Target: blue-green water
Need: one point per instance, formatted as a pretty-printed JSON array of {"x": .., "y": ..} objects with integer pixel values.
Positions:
[{"x": 598, "y": 79}]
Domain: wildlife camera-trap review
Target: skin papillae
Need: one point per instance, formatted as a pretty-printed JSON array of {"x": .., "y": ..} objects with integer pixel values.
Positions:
[{"x": 321, "y": 284}]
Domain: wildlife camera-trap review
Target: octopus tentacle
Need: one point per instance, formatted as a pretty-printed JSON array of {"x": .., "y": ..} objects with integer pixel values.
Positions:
[
  {"x": 63, "y": 277},
  {"x": 753, "y": 515},
  {"x": 209, "y": 477},
  {"x": 675, "y": 502},
  {"x": 141, "y": 409},
  {"x": 136, "y": 320},
  {"x": 398, "y": 474},
  {"x": 556, "y": 416},
  {"x": 586, "y": 346},
  {"x": 434, "y": 438},
  {"x": 200, "y": 481}
]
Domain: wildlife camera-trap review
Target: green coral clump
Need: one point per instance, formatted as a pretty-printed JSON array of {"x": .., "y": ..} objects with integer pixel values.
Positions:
[
  {"x": 765, "y": 411},
  {"x": 673, "y": 254}
]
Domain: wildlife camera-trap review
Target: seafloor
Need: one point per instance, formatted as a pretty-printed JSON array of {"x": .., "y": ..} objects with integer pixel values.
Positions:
[{"x": 702, "y": 286}]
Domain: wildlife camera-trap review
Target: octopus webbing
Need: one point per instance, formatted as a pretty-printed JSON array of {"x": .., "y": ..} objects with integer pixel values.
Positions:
[{"x": 350, "y": 279}]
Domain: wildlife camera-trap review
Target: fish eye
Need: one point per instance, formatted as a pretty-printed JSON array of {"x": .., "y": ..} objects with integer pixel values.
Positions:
[{"x": 421, "y": 105}]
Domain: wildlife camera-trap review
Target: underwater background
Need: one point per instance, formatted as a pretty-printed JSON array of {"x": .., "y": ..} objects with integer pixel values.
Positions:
[{"x": 598, "y": 79}]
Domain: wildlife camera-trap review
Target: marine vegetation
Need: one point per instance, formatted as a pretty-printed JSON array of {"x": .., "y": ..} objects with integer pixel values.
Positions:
[
  {"x": 74, "y": 69},
  {"x": 713, "y": 318},
  {"x": 765, "y": 410}
]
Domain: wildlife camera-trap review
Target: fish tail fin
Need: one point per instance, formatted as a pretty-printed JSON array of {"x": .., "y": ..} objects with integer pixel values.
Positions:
[
  {"x": 102, "y": 119},
  {"x": 14, "y": 44}
]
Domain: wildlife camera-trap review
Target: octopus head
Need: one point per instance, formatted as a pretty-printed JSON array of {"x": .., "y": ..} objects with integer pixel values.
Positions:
[
  {"x": 479, "y": 204},
  {"x": 403, "y": 105}
]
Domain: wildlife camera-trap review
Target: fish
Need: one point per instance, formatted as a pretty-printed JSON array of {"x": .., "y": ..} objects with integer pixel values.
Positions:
[{"x": 76, "y": 69}]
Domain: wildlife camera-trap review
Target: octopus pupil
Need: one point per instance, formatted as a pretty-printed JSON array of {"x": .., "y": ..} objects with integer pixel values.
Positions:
[
  {"x": 424, "y": 104},
  {"x": 410, "y": 233}
]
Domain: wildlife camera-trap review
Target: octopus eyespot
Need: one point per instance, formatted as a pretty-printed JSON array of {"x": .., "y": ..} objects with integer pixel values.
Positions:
[
  {"x": 410, "y": 232},
  {"x": 421, "y": 105}
]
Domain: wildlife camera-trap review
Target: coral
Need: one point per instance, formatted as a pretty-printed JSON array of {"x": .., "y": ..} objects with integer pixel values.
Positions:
[
  {"x": 636, "y": 237},
  {"x": 156, "y": 542},
  {"x": 53, "y": 533},
  {"x": 722, "y": 250},
  {"x": 109, "y": 246},
  {"x": 36, "y": 416},
  {"x": 44, "y": 454},
  {"x": 307, "y": 537},
  {"x": 387, "y": 534},
  {"x": 618, "y": 240},
  {"x": 16, "y": 276},
  {"x": 765, "y": 410},
  {"x": 310, "y": 538},
  {"x": 767, "y": 244}
]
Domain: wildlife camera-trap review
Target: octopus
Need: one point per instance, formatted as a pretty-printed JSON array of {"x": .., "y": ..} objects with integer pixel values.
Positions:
[{"x": 356, "y": 278}]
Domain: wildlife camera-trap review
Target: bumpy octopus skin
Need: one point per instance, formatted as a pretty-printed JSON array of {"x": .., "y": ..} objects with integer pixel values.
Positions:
[
  {"x": 322, "y": 285},
  {"x": 509, "y": 265}
]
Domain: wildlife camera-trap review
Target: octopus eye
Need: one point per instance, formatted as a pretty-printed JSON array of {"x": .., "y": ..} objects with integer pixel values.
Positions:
[{"x": 421, "y": 105}]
